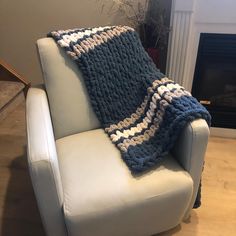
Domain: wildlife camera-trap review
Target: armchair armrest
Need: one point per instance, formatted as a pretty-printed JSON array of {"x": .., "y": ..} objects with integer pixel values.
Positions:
[
  {"x": 43, "y": 163},
  {"x": 190, "y": 150}
]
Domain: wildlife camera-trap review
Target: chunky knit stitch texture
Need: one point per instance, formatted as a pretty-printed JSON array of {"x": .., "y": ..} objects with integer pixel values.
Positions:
[{"x": 141, "y": 110}]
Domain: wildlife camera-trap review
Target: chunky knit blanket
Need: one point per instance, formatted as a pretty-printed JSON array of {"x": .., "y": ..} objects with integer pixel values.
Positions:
[{"x": 140, "y": 109}]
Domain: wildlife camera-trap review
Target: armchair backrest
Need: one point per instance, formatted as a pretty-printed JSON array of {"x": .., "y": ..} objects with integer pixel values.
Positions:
[{"x": 69, "y": 103}]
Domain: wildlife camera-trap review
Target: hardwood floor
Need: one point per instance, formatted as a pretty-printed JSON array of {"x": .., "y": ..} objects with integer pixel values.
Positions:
[
  {"x": 217, "y": 215},
  {"x": 18, "y": 210}
]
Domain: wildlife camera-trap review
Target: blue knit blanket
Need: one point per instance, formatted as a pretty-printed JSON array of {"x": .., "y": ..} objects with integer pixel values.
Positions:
[{"x": 140, "y": 109}]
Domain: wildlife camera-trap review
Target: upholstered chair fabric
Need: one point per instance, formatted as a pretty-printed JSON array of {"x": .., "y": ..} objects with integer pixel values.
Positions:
[
  {"x": 82, "y": 186},
  {"x": 69, "y": 103}
]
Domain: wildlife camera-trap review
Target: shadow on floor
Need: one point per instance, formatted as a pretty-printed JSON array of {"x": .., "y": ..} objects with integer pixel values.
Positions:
[{"x": 20, "y": 216}]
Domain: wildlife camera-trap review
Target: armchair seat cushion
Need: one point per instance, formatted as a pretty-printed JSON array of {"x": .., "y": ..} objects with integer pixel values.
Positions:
[{"x": 100, "y": 193}]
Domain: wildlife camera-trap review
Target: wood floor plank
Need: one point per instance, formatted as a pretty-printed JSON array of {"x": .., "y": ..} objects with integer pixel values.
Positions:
[
  {"x": 19, "y": 215},
  {"x": 217, "y": 215}
]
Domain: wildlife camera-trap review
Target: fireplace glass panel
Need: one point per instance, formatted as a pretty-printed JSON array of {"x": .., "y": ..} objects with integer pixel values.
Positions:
[
  {"x": 214, "y": 82},
  {"x": 218, "y": 84}
]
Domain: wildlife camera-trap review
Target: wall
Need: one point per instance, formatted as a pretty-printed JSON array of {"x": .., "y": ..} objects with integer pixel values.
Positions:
[
  {"x": 215, "y": 11},
  {"x": 23, "y": 22}
]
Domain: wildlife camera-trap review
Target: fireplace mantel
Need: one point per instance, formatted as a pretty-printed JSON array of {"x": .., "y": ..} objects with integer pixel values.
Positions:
[{"x": 190, "y": 18}]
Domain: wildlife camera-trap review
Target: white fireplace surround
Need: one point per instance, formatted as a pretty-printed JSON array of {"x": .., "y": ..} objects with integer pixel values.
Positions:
[{"x": 189, "y": 18}]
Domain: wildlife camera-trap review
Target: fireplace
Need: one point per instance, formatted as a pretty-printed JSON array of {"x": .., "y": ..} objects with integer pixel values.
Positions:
[
  {"x": 193, "y": 24},
  {"x": 214, "y": 83}
]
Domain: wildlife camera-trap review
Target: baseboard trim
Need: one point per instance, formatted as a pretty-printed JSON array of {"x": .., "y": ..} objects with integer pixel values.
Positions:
[{"x": 223, "y": 133}]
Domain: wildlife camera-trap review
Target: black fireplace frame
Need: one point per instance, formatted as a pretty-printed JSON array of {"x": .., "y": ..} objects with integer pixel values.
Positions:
[{"x": 222, "y": 116}]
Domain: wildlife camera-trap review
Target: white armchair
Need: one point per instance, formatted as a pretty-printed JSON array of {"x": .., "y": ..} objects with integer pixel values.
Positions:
[{"x": 81, "y": 184}]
